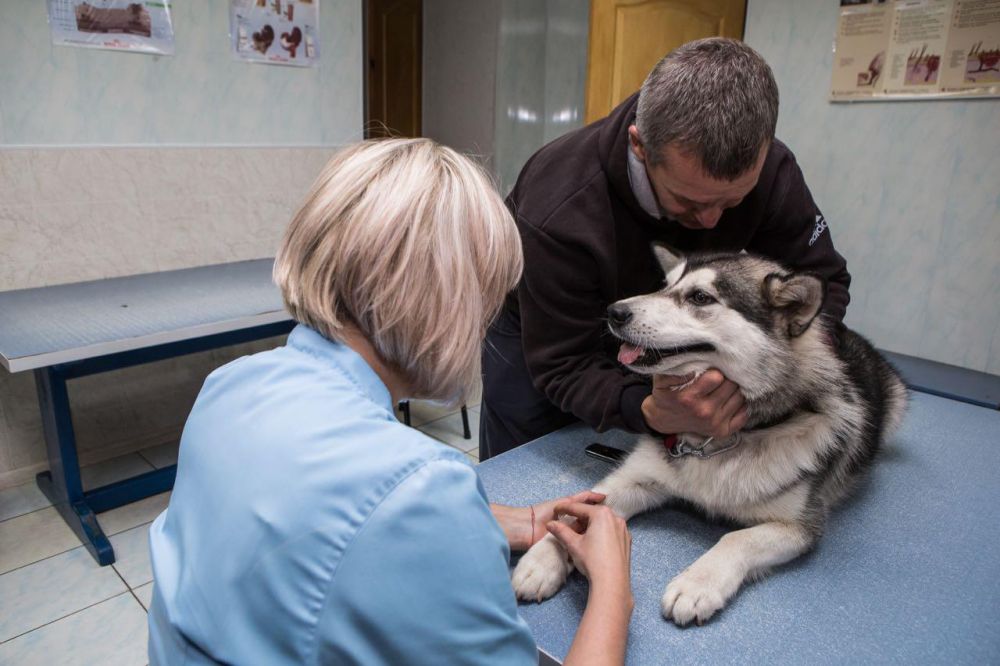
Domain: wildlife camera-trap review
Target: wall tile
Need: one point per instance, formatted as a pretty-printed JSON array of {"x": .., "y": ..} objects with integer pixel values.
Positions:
[
  {"x": 90, "y": 213},
  {"x": 17, "y": 178}
]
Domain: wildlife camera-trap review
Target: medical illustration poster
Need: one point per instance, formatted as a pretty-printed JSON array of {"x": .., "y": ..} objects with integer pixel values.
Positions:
[
  {"x": 118, "y": 25},
  {"x": 914, "y": 49},
  {"x": 277, "y": 32}
]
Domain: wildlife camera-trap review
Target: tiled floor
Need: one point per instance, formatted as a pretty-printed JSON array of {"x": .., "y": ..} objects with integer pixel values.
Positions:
[{"x": 60, "y": 607}]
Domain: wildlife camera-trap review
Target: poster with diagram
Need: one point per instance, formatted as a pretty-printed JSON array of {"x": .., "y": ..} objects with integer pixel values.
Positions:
[
  {"x": 118, "y": 25},
  {"x": 277, "y": 32},
  {"x": 916, "y": 49}
]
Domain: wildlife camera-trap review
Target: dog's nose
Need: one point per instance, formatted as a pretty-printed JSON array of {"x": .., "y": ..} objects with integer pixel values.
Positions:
[{"x": 619, "y": 314}]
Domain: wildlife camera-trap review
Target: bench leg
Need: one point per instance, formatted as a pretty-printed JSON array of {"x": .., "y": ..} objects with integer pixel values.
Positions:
[
  {"x": 465, "y": 423},
  {"x": 404, "y": 406},
  {"x": 62, "y": 484}
]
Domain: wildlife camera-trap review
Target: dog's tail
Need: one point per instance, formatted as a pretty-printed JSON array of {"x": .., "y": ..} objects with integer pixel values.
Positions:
[{"x": 897, "y": 397}]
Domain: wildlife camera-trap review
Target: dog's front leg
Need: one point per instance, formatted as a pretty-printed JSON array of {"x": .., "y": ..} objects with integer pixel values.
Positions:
[
  {"x": 629, "y": 489},
  {"x": 705, "y": 586}
]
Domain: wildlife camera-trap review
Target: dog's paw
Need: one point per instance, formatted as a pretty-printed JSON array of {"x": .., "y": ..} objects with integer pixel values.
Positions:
[
  {"x": 541, "y": 571},
  {"x": 695, "y": 595}
]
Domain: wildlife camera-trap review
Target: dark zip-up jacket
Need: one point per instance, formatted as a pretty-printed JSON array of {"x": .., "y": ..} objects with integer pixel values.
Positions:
[{"x": 587, "y": 243}]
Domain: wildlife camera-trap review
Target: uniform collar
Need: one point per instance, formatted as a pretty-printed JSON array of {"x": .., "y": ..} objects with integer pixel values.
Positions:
[{"x": 344, "y": 359}]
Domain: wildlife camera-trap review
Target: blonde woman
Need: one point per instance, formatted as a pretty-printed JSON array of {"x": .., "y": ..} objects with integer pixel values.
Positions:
[{"x": 307, "y": 525}]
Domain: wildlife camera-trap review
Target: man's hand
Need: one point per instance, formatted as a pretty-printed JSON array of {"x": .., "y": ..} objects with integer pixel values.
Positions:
[{"x": 712, "y": 406}]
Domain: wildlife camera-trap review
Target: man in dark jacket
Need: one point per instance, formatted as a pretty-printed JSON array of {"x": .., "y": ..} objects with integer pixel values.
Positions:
[{"x": 690, "y": 161}]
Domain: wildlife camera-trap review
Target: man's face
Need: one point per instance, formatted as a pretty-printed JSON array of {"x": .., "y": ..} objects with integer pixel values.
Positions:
[{"x": 686, "y": 193}]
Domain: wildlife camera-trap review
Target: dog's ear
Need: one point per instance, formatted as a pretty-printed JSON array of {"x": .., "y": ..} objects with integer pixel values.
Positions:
[
  {"x": 797, "y": 297},
  {"x": 666, "y": 258}
]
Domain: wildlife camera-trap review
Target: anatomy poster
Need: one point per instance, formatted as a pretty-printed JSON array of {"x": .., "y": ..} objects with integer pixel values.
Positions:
[
  {"x": 913, "y": 49},
  {"x": 118, "y": 25},
  {"x": 278, "y": 32}
]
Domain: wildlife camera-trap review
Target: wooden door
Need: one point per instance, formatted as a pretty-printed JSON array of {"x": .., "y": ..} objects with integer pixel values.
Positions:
[
  {"x": 628, "y": 37},
  {"x": 394, "y": 36}
]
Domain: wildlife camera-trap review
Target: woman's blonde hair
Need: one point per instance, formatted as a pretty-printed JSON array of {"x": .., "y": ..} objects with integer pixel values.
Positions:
[{"x": 408, "y": 242}]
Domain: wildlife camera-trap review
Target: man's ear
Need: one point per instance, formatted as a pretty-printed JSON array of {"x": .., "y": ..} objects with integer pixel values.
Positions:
[
  {"x": 798, "y": 299},
  {"x": 635, "y": 143},
  {"x": 667, "y": 259}
]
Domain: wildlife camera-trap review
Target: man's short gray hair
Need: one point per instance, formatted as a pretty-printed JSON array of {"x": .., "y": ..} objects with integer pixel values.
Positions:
[{"x": 714, "y": 98}]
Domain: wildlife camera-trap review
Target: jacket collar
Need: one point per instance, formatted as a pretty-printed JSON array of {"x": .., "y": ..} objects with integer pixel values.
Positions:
[{"x": 343, "y": 359}]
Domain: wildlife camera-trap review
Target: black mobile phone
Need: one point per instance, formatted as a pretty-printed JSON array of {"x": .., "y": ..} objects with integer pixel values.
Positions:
[{"x": 606, "y": 453}]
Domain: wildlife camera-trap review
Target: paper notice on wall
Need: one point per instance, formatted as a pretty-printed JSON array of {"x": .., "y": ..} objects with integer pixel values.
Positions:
[
  {"x": 972, "y": 56},
  {"x": 118, "y": 25},
  {"x": 859, "y": 59},
  {"x": 277, "y": 32},
  {"x": 913, "y": 49}
]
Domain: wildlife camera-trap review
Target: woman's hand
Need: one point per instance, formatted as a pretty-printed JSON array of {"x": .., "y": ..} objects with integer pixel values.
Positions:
[
  {"x": 545, "y": 512},
  {"x": 598, "y": 541},
  {"x": 601, "y": 548},
  {"x": 522, "y": 532}
]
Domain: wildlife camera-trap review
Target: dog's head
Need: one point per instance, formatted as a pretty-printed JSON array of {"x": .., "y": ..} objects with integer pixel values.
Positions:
[{"x": 735, "y": 312}]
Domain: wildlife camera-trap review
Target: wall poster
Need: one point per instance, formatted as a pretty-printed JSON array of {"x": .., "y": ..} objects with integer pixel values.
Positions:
[
  {"x": 916, "y": 49},
  {"x": 278, "y": 32},
  {"x": 118, "y": 25}
]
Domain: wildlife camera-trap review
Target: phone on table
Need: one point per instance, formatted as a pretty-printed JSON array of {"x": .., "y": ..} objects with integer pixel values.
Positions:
[{"x": 606, "y": 453}]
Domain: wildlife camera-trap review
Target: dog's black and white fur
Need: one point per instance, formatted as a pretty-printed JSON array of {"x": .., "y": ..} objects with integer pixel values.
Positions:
[{"x": 817, "y": 414}]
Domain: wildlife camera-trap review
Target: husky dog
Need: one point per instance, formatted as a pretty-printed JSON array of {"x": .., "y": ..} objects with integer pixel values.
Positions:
[{"x": 817, "y": 414}]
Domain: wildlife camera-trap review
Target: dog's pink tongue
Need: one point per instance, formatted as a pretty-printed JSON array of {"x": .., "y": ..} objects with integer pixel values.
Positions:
[{"x": 628, "y": 353}]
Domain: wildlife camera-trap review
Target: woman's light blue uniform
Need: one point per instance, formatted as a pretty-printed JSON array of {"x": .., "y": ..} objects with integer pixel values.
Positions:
[{"x": 308, "y": 526}]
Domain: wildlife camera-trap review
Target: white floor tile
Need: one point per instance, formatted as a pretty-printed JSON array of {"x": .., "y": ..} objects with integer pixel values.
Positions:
[
  {"x": 32, "y": 537},
  {"x": 21, "y": 499},
  {"x": 449, "y": 431},
  {"x": 163, "y": 455},
  {"x": 145, "y": 594},
  {"x": 423, "y": 412},
  {"x": 116, "y": 469},
  {"x": 132, "y": 556},
  {"x": 46, "y": 591},
  {"x": 111, "y": 633},
  {"x": 471, "y": 455},
  {"x": 134, "y": 514}
]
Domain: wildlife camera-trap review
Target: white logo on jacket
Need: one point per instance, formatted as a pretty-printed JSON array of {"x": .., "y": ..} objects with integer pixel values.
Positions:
[{"x": 820, "y": 228}]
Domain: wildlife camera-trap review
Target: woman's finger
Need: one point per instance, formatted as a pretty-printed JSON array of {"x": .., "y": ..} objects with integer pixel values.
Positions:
[
  {"x": 588, "y": 497},
  {"x": 564, "y": 534},
  {"x": 578, "y": 510}
]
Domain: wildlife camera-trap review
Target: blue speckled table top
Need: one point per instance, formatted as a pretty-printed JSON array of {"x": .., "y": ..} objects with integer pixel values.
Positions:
[
  {"x": 61, "y": 323},
  {"x": 908, "y": 571}
]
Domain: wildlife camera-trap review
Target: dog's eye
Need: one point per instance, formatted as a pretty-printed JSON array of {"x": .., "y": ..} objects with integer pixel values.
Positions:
[{"x": 700, "y": 298}]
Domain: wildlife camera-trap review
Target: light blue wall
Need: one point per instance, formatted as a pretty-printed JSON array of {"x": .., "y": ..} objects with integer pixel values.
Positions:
[
  {"x": 541, "y": 78},
  {"x": 911, "y": 191},
  {"x": 459, "y": 74},
  {"x": 69, "y": 96}
]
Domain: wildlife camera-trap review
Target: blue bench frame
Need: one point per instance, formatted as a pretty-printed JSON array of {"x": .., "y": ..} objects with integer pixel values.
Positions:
[{"x": 61, "y": 484}]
